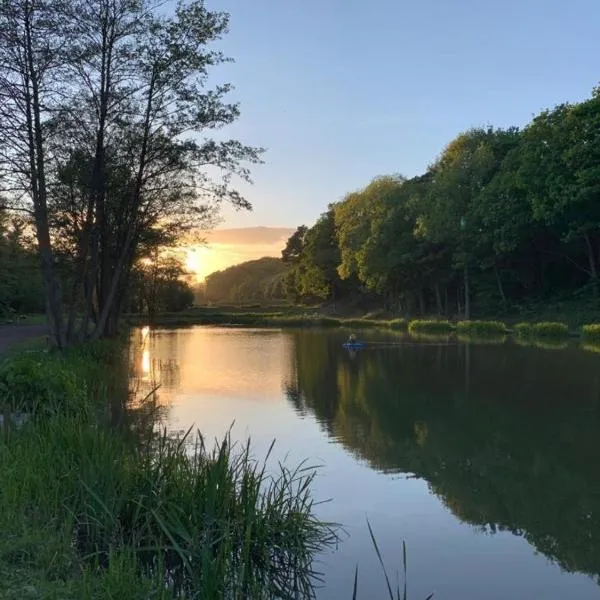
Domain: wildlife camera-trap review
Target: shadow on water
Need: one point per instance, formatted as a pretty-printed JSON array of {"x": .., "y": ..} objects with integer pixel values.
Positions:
[{"x": 506, "y": 435}]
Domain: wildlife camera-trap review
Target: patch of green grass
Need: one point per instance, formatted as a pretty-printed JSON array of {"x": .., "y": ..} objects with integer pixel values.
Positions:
[
  {"x": 430, "y": 326},
  {"x": 481, "y": 328},
  {"x": 550, "y": 329}
]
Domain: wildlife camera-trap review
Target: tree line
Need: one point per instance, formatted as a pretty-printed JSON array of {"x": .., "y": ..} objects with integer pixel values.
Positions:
[
  {"x": 107, "y": 143},
  {"x": 501, "y": 218}
]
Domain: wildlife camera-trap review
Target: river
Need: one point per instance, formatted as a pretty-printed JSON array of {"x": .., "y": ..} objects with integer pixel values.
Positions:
[{"x": 484, "y": 458}]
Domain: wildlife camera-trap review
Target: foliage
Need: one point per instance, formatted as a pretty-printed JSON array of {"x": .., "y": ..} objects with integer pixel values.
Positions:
[
  {"x": 549, "y": 329},
  {"x": 39, "y": 383},
  {"x": 481, "y": 327},
  {"x": 158, "y": 284},
  {"x": 20, "y": 279},
  {"x": 502, "y": 219},
  {"x": 430, "y": 326},
  {"x": 106, "y": 129}
]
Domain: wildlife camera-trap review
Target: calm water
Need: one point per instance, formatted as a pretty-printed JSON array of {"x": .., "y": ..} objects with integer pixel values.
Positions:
[{"x": 485, "y": 459}]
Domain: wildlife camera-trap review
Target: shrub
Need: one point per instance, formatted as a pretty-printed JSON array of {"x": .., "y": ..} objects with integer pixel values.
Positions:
[
  {"x": 481, "y": 328},
  {"x": 591, "y": 331},
  {"x": 550, "y": 329},
  {"x": 40, "y": 382},
  {"x": 430, "y": 326}
]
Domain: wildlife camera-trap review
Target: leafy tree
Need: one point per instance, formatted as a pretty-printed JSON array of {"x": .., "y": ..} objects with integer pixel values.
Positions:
[{"x": 107, "y": 125}]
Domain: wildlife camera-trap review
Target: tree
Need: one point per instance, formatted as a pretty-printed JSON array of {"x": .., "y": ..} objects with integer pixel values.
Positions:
[
  {"x": 459, "y": 177},
  {"x": 107, "y": 125}
]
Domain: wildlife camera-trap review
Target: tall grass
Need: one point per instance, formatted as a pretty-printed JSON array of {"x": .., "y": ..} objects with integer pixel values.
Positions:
[
  {"x": 550, "y": 329},
  {"x": 523, "y": 330},
  {"x": 79, "y": 502},
  {"x": 591, "y": 331},
  {"x": 430, "y": 326}
]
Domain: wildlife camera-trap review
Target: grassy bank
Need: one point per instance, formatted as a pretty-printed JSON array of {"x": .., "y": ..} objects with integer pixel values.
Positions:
[
  {"x": 88, "y": 511},
  {"x": 473, "y": 330}
]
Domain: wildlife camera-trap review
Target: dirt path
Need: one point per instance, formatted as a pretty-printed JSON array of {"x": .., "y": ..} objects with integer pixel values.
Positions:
[{"x": 11, "y": 335}]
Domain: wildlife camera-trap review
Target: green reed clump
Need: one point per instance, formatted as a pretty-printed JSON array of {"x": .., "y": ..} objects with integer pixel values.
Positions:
[
  {"x": 591, "y": 331},
  {"x": 523, "y": 330},
  {"x": 481, "y": 328},
  {"x": 219, "y": 524},
  {"x": 550, "y": 329},
  {"x": 430, "y": 326},
  {"x": 84, "y": 502}
]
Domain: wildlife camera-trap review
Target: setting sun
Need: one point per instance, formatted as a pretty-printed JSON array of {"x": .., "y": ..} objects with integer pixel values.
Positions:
[{"x": 228, "y": 247}]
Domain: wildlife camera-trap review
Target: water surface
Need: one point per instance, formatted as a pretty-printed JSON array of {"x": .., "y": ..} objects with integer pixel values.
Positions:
[{"x": 483, "y": 458}]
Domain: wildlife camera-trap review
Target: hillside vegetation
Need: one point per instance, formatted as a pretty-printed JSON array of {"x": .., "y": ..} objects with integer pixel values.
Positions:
[{"x": 258, "y": 280}]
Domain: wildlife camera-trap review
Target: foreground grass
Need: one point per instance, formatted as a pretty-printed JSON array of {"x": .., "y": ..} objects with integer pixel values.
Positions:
[{"x": 86, "y": 511}]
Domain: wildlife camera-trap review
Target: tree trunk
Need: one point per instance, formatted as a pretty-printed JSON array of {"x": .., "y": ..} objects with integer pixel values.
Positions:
[
  {"x": 467, "y": 294},
  {"x": 38, "y": 189},
  {"x": 446, "y": 300},
  {"x": 458, "y": 305}
]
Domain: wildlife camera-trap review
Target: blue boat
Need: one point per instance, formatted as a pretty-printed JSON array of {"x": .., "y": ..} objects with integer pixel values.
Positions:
[{"x": 354, "y": 345}]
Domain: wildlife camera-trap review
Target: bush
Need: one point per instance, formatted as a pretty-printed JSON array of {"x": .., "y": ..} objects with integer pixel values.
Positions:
[
  {"x": 40, "y": 382},
  {"x": 481, "y": 328},
  {"x": 550, "y": 329},
  {"x": 523, "y": 330},
  {"x": 591, "y": 331},
  {"x": 430, "y": 326}
]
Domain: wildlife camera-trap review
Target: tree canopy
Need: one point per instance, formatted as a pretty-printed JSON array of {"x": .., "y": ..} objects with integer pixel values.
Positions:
[{"x": 502, "y": 217}]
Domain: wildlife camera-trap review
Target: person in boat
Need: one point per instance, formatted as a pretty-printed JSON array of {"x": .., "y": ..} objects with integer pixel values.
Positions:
[{"x": 352, "y": 338}]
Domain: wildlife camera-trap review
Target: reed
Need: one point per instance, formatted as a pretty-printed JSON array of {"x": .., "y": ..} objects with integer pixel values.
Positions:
[
  {"x": 550, "y": 329},
  {"x": 591, "y": 331},
  {"x": 83, "y": 505},
  {"x": 430, "y": 327},
  {"x": 523, "y": 330}
]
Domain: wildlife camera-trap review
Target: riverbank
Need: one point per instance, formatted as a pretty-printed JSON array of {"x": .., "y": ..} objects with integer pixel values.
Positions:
[
  {"x": 537, "y": 328},
  {"x": 97, "y": 504}
]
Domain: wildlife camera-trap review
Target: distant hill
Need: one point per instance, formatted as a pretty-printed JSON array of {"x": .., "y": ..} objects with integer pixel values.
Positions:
[{"x": 251, "y": 281}]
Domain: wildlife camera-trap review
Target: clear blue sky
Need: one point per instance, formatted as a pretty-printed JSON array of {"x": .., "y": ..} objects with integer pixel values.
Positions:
[{"x": 340, "y": 91}]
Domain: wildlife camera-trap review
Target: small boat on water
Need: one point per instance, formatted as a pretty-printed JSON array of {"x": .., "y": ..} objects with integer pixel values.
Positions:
[{"x": 354, "y": 345}]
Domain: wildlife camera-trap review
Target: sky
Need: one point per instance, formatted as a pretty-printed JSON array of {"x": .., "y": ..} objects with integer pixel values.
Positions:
[{"x": 341, "y": 91}]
